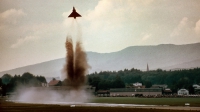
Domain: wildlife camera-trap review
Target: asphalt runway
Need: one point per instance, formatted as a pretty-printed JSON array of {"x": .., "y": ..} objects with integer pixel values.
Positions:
[{"x": 80, "y": 104}]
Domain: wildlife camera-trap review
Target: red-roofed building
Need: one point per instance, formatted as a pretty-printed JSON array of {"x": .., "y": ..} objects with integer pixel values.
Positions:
[
  {"x": 54, "y": 82},
  {"x": 167, "y": 91}
]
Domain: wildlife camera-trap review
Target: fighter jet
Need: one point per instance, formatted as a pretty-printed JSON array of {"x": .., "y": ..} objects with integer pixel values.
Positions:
[{"x": 74, "y": 14}]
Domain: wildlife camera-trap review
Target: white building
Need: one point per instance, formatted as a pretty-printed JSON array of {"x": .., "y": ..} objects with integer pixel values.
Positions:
[
  {"x": 159, "y": 86},
  {"x": 196, "y": 86},
  {"x": 183, "y": 92},
  {"x": 137, "y": 84},
  {"x": 196, "y": 89}
]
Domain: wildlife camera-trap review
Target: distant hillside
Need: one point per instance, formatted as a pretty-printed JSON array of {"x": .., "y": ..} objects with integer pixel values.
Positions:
[
  {"x": 165, "y": 56},
  {"x": 191, "y": 64}
]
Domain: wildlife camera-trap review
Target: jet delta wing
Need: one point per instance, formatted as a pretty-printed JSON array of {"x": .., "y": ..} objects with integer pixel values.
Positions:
[{"x": 74, "y": 14}]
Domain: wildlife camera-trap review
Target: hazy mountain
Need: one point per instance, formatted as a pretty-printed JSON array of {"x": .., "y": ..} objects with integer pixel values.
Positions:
[{"x": 165, "y": 56}]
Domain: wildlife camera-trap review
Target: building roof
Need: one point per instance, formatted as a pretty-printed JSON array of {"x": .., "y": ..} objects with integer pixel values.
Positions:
[
  {"x": 137, "y": 84},
  {"x": 135, "y": 90},
  {"x": 103, "y": 91},
  {"x": 183, "y": 90},
  {"x": 159, "y": 86},
  {"x": 48, "y": 79},
  {"x": 196, "y": 86},
  {"x": 53, "y": 82},
  {"x": 167, "y": 90}
]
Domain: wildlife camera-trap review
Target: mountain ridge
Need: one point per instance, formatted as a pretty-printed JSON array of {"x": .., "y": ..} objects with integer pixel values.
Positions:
[{"x": 164, "y": 56}]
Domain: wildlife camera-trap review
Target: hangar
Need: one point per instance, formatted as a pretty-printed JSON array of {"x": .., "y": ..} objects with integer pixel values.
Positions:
[{"x": 135, "y": 91}]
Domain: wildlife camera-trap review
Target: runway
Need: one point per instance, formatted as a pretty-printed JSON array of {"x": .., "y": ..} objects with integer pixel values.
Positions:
[{"x": 80, "y": 104}]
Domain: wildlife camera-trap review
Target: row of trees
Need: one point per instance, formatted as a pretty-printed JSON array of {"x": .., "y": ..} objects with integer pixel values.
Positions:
[
  {"x": 27, "y": 79},
  {"x": 103, "y": 83},
  {"x": 174, "y": 79},
  {"x": 111, "y": 79}
]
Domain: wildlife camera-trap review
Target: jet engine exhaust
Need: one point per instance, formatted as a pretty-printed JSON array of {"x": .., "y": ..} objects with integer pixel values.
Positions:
[{"x": 76, "y": 65}]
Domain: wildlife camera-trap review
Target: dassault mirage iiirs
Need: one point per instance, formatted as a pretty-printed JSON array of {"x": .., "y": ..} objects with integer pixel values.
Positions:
[{"x": 74, "y": 14}]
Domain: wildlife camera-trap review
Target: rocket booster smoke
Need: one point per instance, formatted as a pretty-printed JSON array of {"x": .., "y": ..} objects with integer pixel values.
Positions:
[{"x": 76, "y": 64}]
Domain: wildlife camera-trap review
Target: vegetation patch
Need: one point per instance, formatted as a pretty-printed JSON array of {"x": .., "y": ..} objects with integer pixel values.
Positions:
[{"x": 149, "y": 101}]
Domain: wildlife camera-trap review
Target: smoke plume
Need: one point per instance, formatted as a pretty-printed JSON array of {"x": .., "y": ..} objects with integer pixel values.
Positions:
[
  {"x": 76, "y": 64},
  {"x": 75, "y": 69},
  {"x": 73, "y": 91}
]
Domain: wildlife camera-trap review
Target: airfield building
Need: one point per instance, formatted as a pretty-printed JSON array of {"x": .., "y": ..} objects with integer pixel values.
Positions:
[
  {"x": 103, "y": 93},
  {"x": 196, "y": 86},
  {"x": 54, "y": 82},
  {"x": 183, "y": 92},
  {"x": 135, "y": 91},
  {"x": 160, "y": 86},
  {"x": 167, "y": 91},
  {"x": 196, "y": 89},
  {"x": 138, "y": 85}
]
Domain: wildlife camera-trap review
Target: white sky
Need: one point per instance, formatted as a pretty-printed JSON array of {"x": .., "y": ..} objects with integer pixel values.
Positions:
[{"x": 34, "y": 31}]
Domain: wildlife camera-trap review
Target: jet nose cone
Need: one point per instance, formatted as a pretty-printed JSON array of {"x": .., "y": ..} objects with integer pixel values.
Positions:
[{"x": 74, "y": 9}]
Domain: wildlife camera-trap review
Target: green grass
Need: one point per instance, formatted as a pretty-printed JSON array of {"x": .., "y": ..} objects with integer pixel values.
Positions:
[
  {"x": 148, "y": 101},
  {"x": 20, "y": 107}
]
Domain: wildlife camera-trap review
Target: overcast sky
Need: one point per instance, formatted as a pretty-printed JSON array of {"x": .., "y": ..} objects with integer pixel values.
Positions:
[{"x": 34, "y": 31}]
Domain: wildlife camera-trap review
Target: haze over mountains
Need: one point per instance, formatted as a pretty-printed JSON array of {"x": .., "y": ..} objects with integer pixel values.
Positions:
[{"x": 165, "y": 56}]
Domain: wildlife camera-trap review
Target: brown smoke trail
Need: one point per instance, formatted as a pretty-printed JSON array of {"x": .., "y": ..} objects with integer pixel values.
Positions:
[
  {"x": 69, "y": 59},
  {"x": 81, "y": 65},
  {"x": 76, "y": 64}
]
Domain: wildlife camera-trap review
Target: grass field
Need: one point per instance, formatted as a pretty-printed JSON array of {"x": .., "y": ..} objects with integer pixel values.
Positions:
[
  {"x": 20, "y": 107},
  {"x": 149, "y": 101},
  {"x": 14, "y": 107}
]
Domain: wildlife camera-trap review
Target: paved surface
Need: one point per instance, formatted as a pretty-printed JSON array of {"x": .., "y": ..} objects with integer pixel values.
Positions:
[{"x": 79, "y": 104}]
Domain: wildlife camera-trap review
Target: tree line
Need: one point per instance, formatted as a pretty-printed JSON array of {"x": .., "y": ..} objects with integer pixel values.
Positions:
[
  {"x": 9, "y": 83},
  {"x": 105, "y": 80},
  {"x": 175, "y": 80}
]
